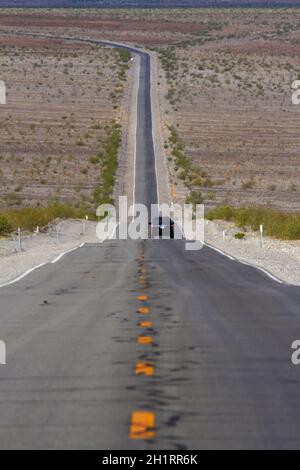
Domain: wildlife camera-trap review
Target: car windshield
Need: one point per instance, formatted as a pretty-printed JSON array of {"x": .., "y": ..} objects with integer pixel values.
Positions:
[{"x": 160, "y": 221}]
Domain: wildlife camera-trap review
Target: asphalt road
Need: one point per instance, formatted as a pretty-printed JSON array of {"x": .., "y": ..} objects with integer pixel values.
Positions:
[{"x": 144, "y": 345}]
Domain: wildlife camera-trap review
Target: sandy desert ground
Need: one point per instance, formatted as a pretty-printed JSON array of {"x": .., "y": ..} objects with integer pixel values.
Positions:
[
  {"x": 62, "y": 99},
  {"x": 225, "y": 87},
  {"x": 229, "y": 126},
  {"x": 229, "y": 99}
]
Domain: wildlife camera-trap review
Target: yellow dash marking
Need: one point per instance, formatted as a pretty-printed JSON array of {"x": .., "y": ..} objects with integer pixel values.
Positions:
[
  {"x": 142, "y": 425},
  {"x": 143, "y": 297},
  {"x": 144, "y": 368},
  {"x": 146, "y": 324},
  {"x": 144, "y": 339},
  {"x": 143, "y": 269},
  {"x": 144, "y": 310}
]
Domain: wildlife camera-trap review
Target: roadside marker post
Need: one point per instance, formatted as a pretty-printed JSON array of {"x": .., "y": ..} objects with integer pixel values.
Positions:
[
  {"x": 84, "y": 224},
  {"x": 20, "y": 247},
  {"x": 224, "y": 235},
  {"x": 57, "y": 235},
  {"x": 261, "y": 230}
]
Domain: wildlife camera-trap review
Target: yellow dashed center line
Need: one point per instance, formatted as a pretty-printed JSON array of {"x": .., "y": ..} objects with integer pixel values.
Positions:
[
  {"x": 142, "y": 425},
  {"x": 143, "y": 422},
  {"x": 143, "y": 297},
  {"x": 144, "y": 368},
  {"x": 145, "y": 324},
  {"x": 144, "y": 310},
  {"x": 144, "y": 339}
]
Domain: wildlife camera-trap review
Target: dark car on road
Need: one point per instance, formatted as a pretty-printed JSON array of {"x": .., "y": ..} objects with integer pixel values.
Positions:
[{"x": 162, "y": 227}]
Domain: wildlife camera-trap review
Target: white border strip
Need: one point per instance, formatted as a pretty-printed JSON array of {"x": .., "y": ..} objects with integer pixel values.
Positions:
[
  {"x": 23, "y": 275},
  {"x": 135, "y": 132},
  {"x": 59, "y": 257},
  {"x": 155, "y": 151},
  {"x": 246, "y": 263},
  {"x": 19, "y": 278}
]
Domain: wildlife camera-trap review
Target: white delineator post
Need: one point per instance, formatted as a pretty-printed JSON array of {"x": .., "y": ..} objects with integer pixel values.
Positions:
[
  {"x": 57, "y": 235},
  {"x": 20, "y": 240},
  {"x": 261, "y": 230},
  {"x": 84, "y": 224},
  {"x": 296, "y": 94}
]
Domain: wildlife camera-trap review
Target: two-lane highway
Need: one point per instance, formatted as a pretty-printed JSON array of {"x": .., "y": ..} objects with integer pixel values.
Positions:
[{"x": 143, "y": 345}]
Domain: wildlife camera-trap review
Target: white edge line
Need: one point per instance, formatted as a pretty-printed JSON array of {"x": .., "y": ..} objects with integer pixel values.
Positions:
[
  {"x": 246, "y": 263},
  {"x": 220, "y": 251},
  {"x": 152, "y": 121},
  {"x": 135, "y": 133},
  {"x": 59, "y": 257},
  {"x": 23, "y": 275},
  {"x": 19, "y": 278}
]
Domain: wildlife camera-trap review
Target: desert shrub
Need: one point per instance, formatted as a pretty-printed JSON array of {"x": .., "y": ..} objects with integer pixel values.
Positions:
[
  {"x": 182, "y": 162},
  {"x": 169, "y": 63},
  {"x": 109, "y": 165},
  {"x": 5, "y": 226},
  {"x": 221, "y": 213},
  {"x": 31, "y": 217},
  {"x": 13, "y": 199},
  {"x": 240, "y": 235},
  {"x": 207, "y": 183},
  {"x": 248, "y": 184},
  {"x": 123, "y": 57},
  {"x": 194, "y": 197},
  {"x": 276, "y": 224},
  {"x": 94, "y": 160}
]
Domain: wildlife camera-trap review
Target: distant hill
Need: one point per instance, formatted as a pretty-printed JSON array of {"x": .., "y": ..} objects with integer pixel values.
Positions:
[{"x": 147, "y": 3}]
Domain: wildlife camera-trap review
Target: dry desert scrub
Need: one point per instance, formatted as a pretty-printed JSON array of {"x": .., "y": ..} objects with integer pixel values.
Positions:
[
  {"x": 228, "y": 98},
  {"x": 63, "y": 104},
  {"x": 276, "y": 224}
]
